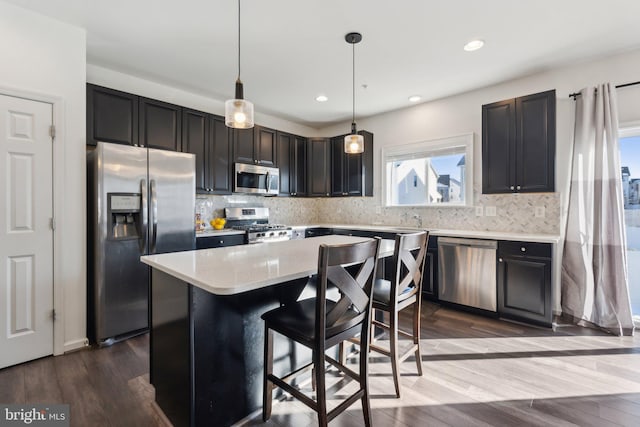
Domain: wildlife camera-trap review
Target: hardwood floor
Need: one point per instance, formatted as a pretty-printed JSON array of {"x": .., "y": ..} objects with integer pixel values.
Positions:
[{"x": 478, "y": 372}]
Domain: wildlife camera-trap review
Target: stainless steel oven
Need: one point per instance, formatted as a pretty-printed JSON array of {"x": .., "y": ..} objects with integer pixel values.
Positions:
[{"x": 256, "y": 179}]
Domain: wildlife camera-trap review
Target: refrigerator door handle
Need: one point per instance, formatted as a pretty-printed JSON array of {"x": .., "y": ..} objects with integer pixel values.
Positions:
[
  {"x": 154, "y": 216},
  {"x": 145, "y": 214}
]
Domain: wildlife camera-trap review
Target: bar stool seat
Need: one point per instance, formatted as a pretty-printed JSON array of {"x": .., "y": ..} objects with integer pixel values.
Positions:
[
  {"x": 382, "y": 292},
  {"x": 297, "y": 321}
]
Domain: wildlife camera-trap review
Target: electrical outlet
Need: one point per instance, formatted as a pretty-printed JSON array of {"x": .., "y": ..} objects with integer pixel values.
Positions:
[
  {"x": 539, "y": 212},
  {"x": 490, "y": 211},
  {"x": 378, "y": 210},
  {"x": 479, "y": 211}
]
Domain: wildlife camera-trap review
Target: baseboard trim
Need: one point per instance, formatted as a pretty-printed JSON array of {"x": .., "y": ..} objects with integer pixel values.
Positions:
[{"x": 75, "y": 345}]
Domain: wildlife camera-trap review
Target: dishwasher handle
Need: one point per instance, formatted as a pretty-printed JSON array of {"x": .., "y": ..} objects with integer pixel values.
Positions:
[{"x": 473, "y": 243}]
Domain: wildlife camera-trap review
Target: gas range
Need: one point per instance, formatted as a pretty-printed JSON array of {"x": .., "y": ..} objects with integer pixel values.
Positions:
[
  {"x": 255, "y": 222},
  {"x": 257, "y": 233}
]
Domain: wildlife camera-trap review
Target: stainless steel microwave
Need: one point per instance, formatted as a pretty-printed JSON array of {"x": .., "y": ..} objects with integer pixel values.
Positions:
[{"x": 256, "y": 179}]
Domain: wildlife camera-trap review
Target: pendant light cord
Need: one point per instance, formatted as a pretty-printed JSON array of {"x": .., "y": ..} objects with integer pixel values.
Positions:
[
  {"x": 238, "y": 39},
  {"x": 353, "y": 82}
]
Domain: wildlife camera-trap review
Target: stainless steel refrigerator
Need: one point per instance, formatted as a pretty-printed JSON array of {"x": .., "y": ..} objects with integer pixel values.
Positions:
[{"x": 139, "y": 201}]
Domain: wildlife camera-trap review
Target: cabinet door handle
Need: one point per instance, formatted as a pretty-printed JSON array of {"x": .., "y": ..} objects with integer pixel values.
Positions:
[
  {"x": 518, "y": 187},
  {"x": 499, "y": 259},
  {"x": 511, "y": 188},
  {"x": 523, "y": 249}
]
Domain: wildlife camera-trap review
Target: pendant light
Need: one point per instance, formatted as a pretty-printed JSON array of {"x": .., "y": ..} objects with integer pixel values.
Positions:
[
  {"x": 353, "y": 143},
  {"x": 238, "y": 112}
]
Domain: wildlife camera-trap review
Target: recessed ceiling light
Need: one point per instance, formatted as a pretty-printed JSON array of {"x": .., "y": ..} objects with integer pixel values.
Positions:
[
  {"x": 473, "y": 45},
  {"x": 415, "y": 98},
  {"x": 322, "y": 98}
]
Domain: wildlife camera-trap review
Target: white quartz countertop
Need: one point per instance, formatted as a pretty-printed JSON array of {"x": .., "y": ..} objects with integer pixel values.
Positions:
[
  {"x": 236, "y": 269},
  {"x": 493, "y": 235}
]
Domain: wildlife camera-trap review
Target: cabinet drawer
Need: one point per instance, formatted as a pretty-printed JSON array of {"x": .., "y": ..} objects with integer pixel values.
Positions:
[
  {"x": 542, "y": 250},
  {"x": 219, "y": 241}
]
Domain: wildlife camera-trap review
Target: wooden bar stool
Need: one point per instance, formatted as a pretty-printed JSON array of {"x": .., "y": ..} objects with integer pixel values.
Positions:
[
  {"x": 405, "y": 290},
  {"x": 320, "y": 323}
]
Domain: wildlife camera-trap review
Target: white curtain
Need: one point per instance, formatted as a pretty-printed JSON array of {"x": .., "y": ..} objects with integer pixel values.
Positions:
[{"x": 594, "y": 266}]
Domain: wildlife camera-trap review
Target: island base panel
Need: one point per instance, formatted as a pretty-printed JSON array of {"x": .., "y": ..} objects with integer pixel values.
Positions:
[{"x": 207, "y": 350}]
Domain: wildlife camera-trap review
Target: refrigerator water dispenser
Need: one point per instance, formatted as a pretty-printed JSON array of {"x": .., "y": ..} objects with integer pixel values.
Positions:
[{"x": 124, "y": 214}]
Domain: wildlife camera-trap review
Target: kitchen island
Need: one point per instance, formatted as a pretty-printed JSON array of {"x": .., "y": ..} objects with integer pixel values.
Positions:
[{"x": 206, "y": 331}]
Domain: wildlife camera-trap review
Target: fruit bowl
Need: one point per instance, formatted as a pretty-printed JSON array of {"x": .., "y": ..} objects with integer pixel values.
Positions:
[{"x": 218, "y": 223}]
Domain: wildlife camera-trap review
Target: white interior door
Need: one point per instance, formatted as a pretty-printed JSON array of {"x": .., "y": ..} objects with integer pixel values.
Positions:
[{"x": 26, "y": 236}]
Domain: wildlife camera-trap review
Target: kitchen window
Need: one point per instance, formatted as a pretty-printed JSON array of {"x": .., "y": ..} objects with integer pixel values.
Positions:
[
  {"x": 430, "y": 173},
  {"x": 630, "y": 174}
]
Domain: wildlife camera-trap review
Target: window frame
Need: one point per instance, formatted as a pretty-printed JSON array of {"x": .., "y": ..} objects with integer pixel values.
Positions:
[{"x": 430, "y": 148}]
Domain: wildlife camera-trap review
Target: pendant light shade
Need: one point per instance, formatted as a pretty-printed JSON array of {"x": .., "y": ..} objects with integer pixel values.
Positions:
[
  {"x": 238, "y": 112},
  {"x": 353, "y": 143}
]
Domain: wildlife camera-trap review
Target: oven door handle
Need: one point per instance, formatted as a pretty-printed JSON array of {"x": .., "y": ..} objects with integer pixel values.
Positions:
[{"x": 266, "y": 183}]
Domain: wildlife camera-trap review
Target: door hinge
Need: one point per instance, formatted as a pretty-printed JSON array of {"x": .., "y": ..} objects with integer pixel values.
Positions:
[
  {"x": 52, "y": 132},
  {"x": 53, "y": 314},
  {"x": 53, "y": 224}
]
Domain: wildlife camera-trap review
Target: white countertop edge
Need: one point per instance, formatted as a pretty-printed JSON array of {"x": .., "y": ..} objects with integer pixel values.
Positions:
[{"x": 237, "y": 289}]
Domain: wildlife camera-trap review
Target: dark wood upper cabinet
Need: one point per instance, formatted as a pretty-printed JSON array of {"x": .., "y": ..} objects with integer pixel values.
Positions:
[
  {"x": 291, "y": 160},
  {"x": 220, "y": 172},
  {"x": 536, "y": 142},
  {"x": 112, "y": 116},
  {"x": 518, "y": 144},
  {"x": 352, "y": 174},
  {"x": 195, "y": 138},
  {"x": 160, "y": 125},
  {"x": 285, "y": 158},
  {"x": 206, "y": 136},
  {"x": 319, "y": 167},
  {"x": 299, "y": 167},
  {"x": 265, "y": 146},
  {"x": 305, "y": 164},
  {"x": 256, "y": 146},
  {"x": 243, "y": 146}
]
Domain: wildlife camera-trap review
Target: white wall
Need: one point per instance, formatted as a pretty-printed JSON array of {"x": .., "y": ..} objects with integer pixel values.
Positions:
[
  {"x": 463, "y": 113},
  {"x": 47, "y": 58},
  {"x": 116, "y": 80}
]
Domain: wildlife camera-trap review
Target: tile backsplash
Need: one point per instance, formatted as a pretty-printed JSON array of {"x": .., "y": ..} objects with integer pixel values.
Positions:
[{"x": 537, "y": 213}]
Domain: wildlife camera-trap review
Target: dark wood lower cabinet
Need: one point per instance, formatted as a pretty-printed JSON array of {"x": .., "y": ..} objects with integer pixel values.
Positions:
[
  {"x": 430, "y": 273},
  {"x": 209, "y": 242},
  {"x": 524, "y": 282}
]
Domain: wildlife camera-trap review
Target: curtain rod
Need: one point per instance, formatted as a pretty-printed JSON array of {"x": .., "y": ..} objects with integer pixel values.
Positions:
[{"x": 577, "y": 94}]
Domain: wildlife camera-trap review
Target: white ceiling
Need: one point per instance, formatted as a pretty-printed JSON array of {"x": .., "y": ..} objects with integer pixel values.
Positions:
[{"x": 293, "y": 50}]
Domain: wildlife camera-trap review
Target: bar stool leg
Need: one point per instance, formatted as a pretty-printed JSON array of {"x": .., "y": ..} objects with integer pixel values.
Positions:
[
  {"x": 416, "y": 334},
  {"x": 393, "y": 347},
  {"x": 364, "y": 377},
  {"x": 321, "y": 396},
  {"x": 267, "y": 394}
]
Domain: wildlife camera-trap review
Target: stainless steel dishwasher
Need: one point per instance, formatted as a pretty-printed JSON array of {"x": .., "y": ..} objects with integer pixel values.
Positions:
[{"x": 467, "y": 273}]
